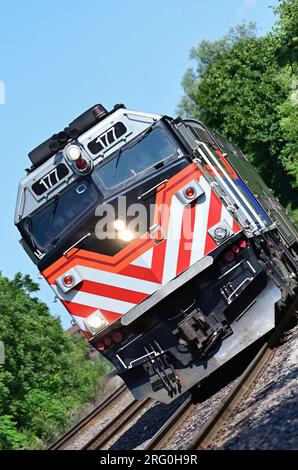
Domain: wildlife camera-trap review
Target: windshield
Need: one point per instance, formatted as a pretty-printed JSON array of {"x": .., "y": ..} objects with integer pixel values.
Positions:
[
  {"x": 48, "y": 224},
  {"x": 150, "y": 151}
]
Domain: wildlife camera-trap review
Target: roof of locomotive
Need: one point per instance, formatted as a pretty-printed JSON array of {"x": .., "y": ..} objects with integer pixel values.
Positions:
[{"x": 134, "y": 122}]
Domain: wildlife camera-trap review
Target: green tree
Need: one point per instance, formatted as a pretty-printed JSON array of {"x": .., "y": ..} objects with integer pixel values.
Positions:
[
  {"x": 236, "y": 89},
  {"x": 286, "y": 30},
  {"x": 46, "y": 372},
  {"x": 289, "y": 124}
]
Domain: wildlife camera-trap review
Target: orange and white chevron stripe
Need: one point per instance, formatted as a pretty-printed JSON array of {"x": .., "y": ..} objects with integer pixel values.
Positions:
[{"x": 115, "y": 284}]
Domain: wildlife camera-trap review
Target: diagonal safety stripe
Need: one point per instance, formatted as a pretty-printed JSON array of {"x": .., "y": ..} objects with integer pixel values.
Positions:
[
  {"x": 214, "y": 217},
  {"x": 117, "y": 280},
  {"x": 77, "y": 309},
  {"x": 173, "y": 240},
  {"x": 95, "y": 300},
  {"x": 110, "y": 316},
  {"x": 139, "y": 272},
  {"x": 82, "y": 311},
  {"x": 142, "y": 274},
  {"x": 201, "y": 221},
  {"x": 111, "y": 291},
  {"x": 186, "y": 238},
  {"x": 145, "y": 260},
  {"x": 158, "y": 260}
]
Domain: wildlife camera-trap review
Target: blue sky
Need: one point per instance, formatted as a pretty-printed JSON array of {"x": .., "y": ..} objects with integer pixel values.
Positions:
[{"x": 57, "y": 58}]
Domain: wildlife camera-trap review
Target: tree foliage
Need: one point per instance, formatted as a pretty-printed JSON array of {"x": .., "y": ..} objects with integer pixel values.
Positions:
[
  {"x": 288, "y": 112},
  {"x": 286, "y": 28},
  {"x": 237, "y": 88},
  {"x": 46, "y": 372},
  {"x": 287, "y": 36}
]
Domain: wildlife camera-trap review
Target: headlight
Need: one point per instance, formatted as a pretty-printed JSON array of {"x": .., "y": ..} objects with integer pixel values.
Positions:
[
  {"x": 73, "y": 152},
  {"x": 119, "y": 225},
  {"x": 123, "y": 233},
  {"x": 126, "y": 235},
  {"x": 96, "y": 322},
  {"x": 220, "y": 233}
]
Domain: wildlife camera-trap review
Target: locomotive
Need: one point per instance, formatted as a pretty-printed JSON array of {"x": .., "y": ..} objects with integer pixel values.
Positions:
[{"x": 161, "y": 240}]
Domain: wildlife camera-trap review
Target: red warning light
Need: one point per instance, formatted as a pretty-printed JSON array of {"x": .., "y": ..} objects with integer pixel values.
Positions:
[
  {"x": 68, "y": 280},
  {"x": 81, "y": 164},
  {"x": 190, "y": 192},
  {"x": 242, "y": 244}
]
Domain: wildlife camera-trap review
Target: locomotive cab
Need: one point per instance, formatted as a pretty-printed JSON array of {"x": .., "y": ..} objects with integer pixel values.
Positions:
[{"x": 148, "y": 234}]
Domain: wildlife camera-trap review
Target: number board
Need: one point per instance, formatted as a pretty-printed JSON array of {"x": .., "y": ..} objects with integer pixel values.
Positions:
[
  {"x": 50, "y": 180},
  {"x": 107, "y": 138}
]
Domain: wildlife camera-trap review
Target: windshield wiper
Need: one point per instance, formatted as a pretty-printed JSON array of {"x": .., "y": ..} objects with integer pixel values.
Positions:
[
  {"x": 147, "y": 131},
  {"x": 117, "y": 161},
  {"x": 56, "y": 201}
]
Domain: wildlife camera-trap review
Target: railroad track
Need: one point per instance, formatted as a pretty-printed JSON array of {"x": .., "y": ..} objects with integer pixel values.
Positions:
[
  {"x": 224, "y": 413},
  {"x": 159, "y": 440},
  {"x": 87, "y": 421},
  {"x": 205, "y": 436},
  {"x": 119, "y": 422}
]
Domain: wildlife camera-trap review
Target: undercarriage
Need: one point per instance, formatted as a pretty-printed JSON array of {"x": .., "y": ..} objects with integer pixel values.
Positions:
[{"x": 198, "y": 327}]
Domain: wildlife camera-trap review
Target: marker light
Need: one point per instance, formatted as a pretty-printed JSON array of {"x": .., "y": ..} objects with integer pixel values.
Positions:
[
  {"x": 190, "y": 192},
  {"x": 119, "y": 225},
  {"x": 126, "y": 235},
  {"x": 107, "y": 341},
  {"x": 68, "y": 280},
  {"x": 229, "y": 256},
  {"x": 117, "y": 337},
  {"x": 74, "y": 152},
  {"x": 82, "y": 164},
  {"x": 242, "y": 244},
  {"x": 100, "y": 347},
  {"x": 235, "y": 249}
]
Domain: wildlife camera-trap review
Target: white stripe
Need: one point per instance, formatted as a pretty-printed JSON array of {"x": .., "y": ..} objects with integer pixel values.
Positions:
[
  {"x": 145, "y": 260},
  {"x": 225, "y": 215},
  {"x": 173, "y": 240},
  {"x": 94, "y": 300},
  {"x": 201, "y": 223},
  {"x": 245, "y": 201},
  {"x": 117, "y": 280}
]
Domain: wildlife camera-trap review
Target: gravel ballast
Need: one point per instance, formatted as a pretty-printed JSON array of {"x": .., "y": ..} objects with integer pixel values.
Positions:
[{"x": 268, "y": 418}]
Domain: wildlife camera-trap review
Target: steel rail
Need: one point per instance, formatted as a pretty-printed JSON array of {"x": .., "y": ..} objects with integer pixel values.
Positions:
[
  {"x": 224, "y": 412},
  {"x": 160, "y": 438},
  {"x": 114, "y": 426},
  {"x": 60, "y": 443},
  {"x": 204, "y": 436}
]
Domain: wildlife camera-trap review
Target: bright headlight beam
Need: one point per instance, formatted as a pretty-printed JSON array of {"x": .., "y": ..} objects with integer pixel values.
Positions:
[
  {"x": 119, "y": 225},
  {"x": 95, "y": 322},
  {"x": 126, "y": 235}
]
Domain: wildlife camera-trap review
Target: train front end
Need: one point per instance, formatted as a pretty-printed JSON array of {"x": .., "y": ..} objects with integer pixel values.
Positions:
[{"x": 143, "y": 234}]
